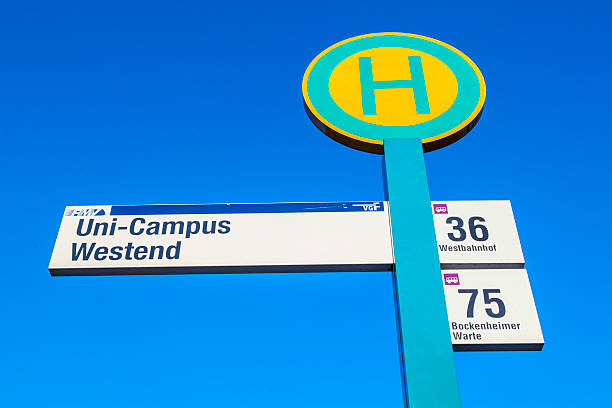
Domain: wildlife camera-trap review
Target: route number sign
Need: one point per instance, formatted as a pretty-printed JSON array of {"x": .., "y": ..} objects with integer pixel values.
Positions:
[
  {"x": 477, "y": 234},
  {"x": 491, "y": 309}
]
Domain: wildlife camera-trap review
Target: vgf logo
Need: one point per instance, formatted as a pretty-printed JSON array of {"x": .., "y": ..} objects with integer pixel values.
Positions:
[
  {"x": 375, "y": 206},
  {"x": 366, "y": 89}
]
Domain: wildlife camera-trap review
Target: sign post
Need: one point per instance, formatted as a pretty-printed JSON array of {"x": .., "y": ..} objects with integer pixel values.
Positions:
[
  {"x": 400, "y": 95},
  {"x": 425, "y": 344}
]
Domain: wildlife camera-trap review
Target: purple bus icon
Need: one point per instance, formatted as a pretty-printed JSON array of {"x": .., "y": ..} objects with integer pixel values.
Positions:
[
  {"x": 451, "y": 279},
  {"x": 440, "y": 209}
]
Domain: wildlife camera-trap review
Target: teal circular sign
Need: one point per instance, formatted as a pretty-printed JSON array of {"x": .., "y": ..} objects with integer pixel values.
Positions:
[{"x": 366, "y": 89}]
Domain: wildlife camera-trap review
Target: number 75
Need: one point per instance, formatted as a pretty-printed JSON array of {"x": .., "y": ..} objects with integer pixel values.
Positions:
[{"x": 501, "y": 308}]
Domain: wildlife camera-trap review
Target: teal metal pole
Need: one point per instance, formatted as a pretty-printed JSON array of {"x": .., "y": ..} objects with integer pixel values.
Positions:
[{"x": 430, "y": 380}]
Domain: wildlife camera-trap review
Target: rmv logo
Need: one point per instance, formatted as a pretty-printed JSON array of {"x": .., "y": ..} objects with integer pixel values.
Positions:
[{"x": 83, "y": 212}]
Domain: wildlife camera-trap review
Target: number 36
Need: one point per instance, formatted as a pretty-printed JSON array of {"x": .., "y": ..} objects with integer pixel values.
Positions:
[{"x": 478, "y": 232}]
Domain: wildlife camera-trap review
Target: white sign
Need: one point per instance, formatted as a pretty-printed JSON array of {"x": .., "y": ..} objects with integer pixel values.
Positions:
[
  {"x": 491, "y": 309},
  {"x": 223, "y": 238},
  {"x": 289, "y": 237},
  {"x": 477, "y": 234}
]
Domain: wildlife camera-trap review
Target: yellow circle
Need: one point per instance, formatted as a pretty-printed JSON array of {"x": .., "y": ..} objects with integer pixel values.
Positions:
[{"x": 394, "y": 107}]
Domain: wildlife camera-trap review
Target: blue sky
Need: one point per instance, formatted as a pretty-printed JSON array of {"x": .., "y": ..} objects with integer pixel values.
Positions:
[{"x": 190, "y": 102}]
